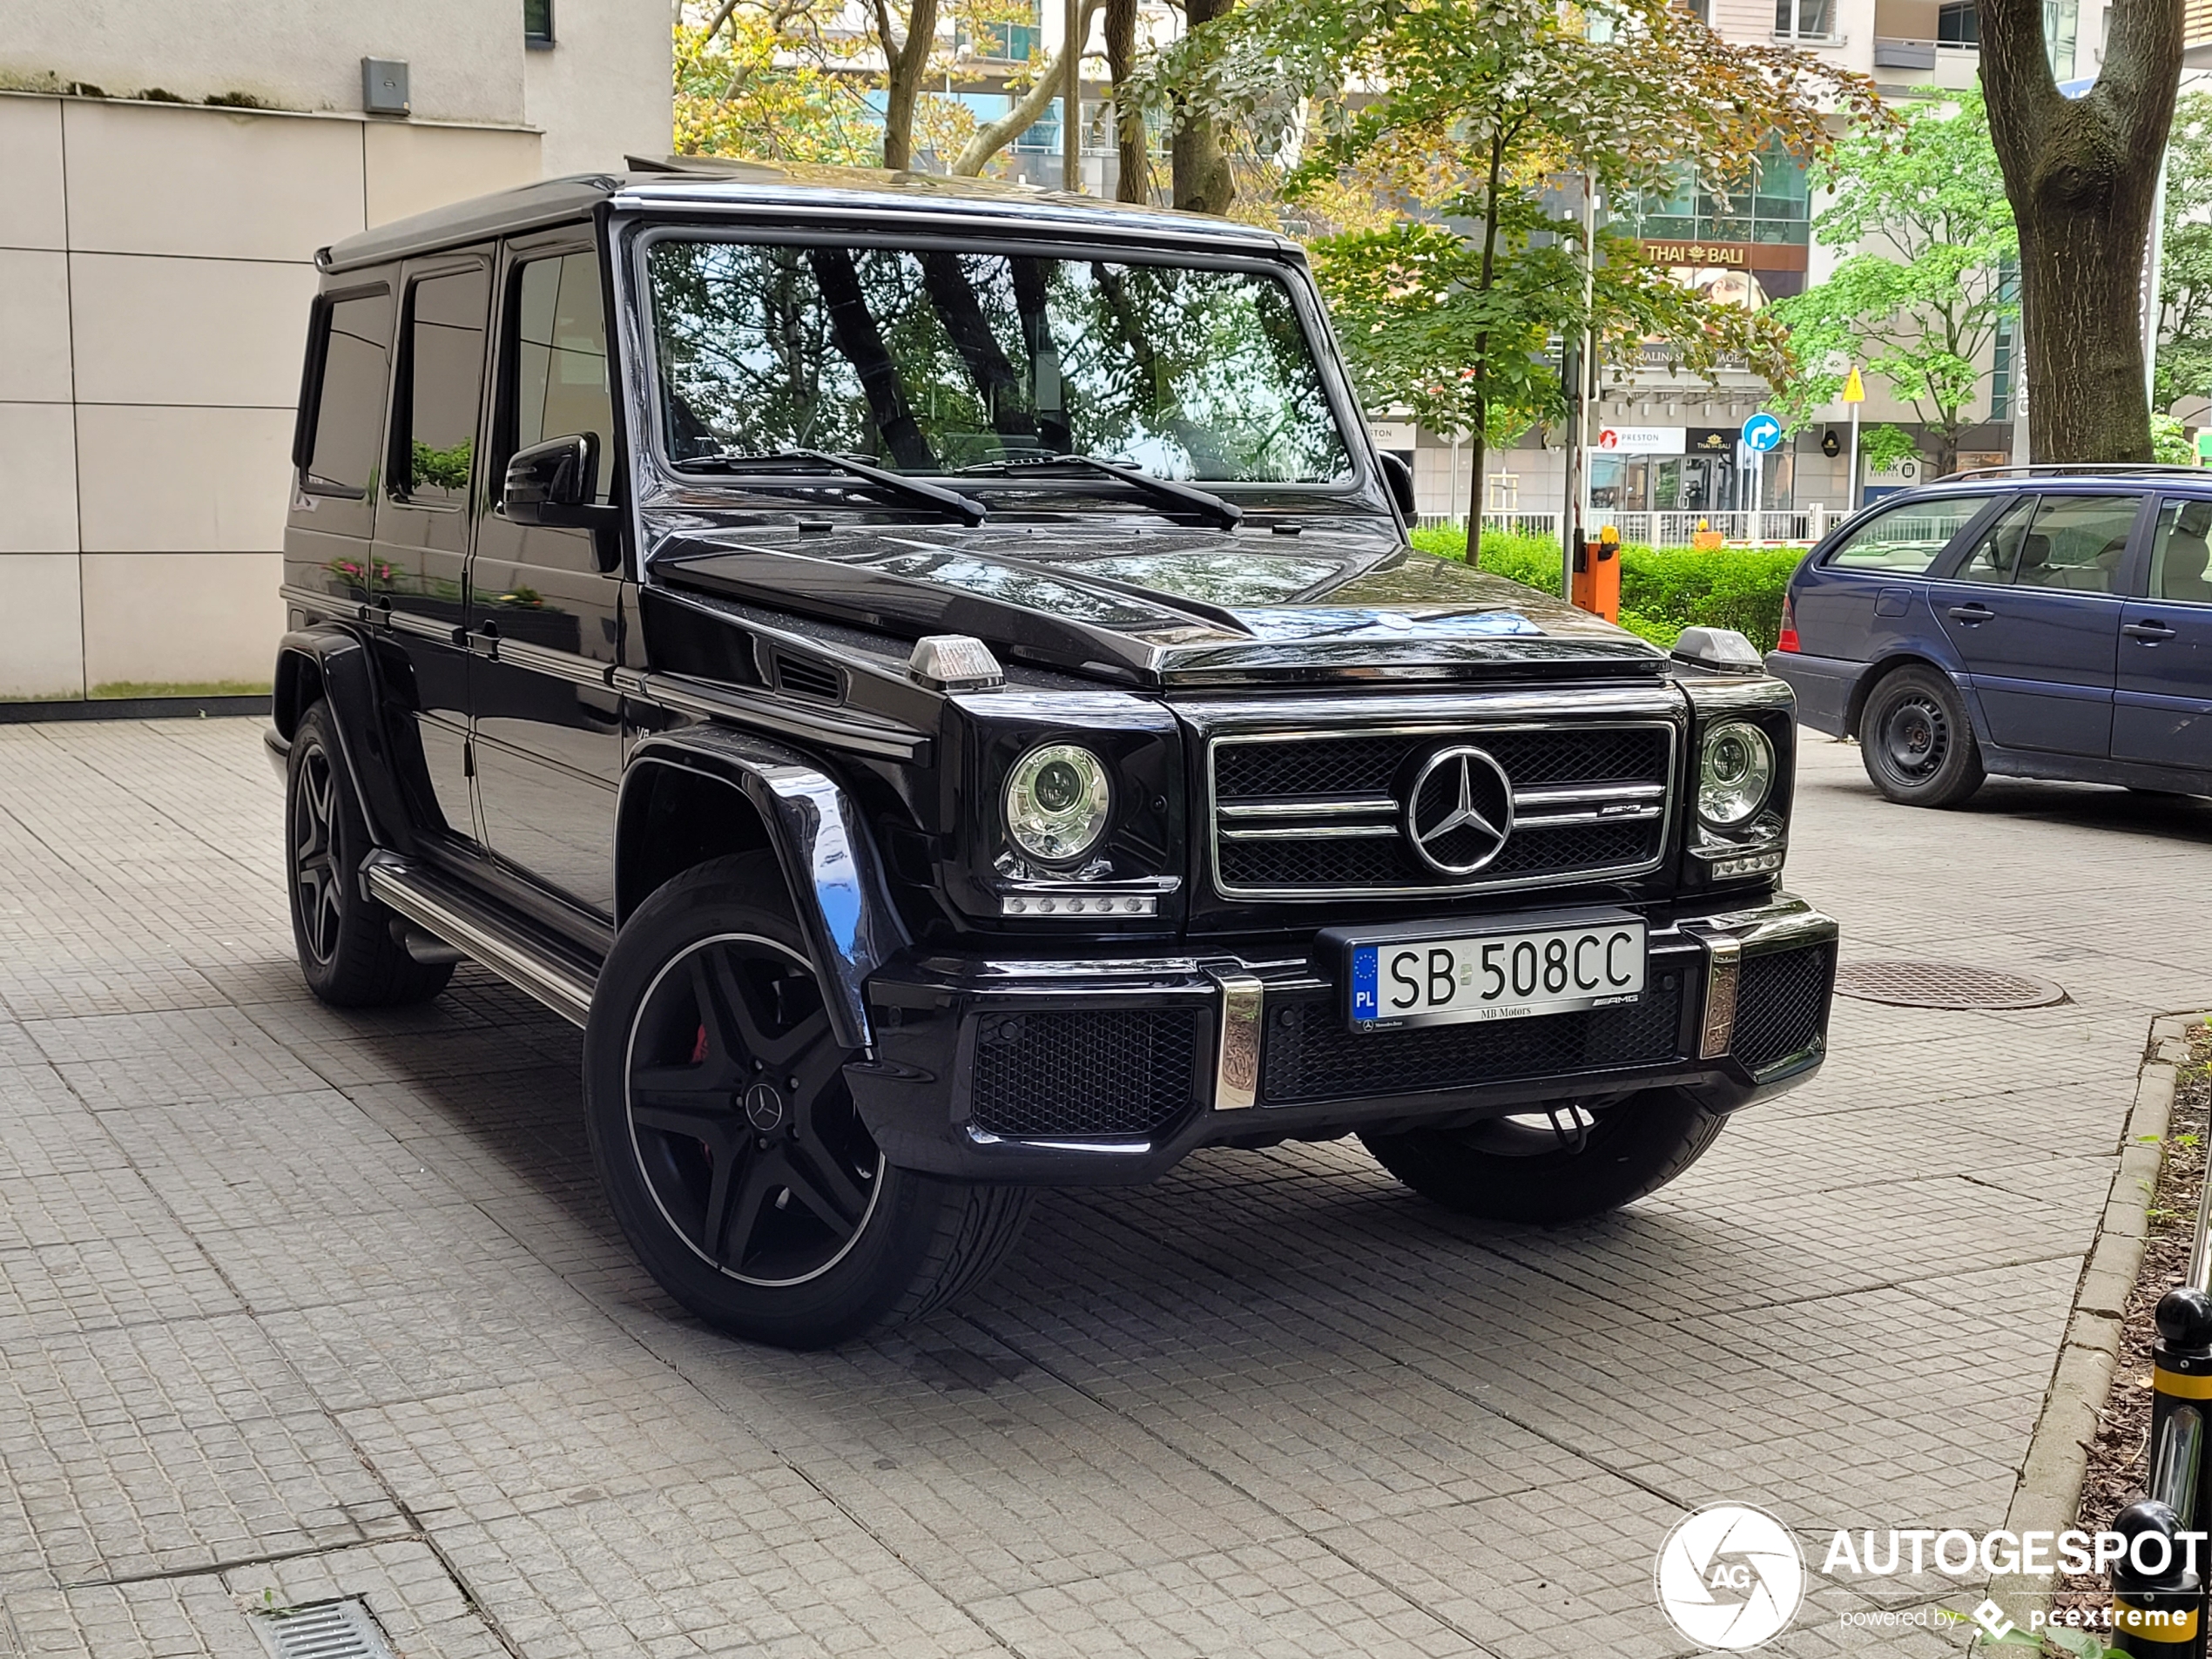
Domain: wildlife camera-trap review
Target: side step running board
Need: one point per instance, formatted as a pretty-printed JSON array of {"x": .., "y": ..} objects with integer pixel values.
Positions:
[{"x": 512, "y": 949}]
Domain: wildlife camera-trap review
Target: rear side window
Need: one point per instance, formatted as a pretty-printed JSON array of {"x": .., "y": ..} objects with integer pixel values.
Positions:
[
  {"x": 561, "y": 357},
  {"x": 2179, "y": 552},
  {"x": 1906, "y": 539},
  {"x": 434, "y": 423},
  {"x": 356, "y": 348},
  {"x": 2070, "y": 543}
]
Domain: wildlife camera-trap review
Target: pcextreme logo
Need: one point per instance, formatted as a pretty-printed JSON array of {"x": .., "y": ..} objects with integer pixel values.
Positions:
[{"x": 1729, "y": 1577}]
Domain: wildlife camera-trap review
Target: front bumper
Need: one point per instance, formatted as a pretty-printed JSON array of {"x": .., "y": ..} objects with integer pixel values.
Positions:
[{"x": 1110, "y": 1072}]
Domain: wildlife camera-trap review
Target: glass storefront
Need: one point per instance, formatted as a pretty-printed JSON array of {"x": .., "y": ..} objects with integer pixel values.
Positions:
[{"x": 1773, "y": 204}]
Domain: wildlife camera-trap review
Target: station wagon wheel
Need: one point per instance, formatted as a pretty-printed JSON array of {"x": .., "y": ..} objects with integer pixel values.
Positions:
[
  {"x": 315, "y": 870},
  {"x": 740, "y": 1119},
  {"x": 726, "y": 1135},
  {"x": 1916, "y": 742}
]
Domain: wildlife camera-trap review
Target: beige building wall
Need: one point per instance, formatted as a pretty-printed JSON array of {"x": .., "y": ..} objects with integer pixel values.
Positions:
[{"x": 156, "y": 263}]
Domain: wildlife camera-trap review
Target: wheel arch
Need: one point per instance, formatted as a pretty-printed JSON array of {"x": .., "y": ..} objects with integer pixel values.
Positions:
[
  {"x": 334, "y": 666},
  {"x": 1883, "y": 667},
  {"x": 747, "y": 793}
]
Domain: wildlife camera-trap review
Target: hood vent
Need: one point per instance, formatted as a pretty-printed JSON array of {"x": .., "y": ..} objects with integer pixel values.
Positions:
[{"x": 816, "y": 682}]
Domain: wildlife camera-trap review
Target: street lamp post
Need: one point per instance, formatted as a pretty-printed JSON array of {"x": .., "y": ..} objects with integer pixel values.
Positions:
[{"x": 1071, "y": 102}]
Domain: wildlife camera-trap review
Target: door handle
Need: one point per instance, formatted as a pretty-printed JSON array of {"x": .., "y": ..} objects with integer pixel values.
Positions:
[
  {"x": 2150, "y": 632},
  {"x": 1971, "y": 613}
]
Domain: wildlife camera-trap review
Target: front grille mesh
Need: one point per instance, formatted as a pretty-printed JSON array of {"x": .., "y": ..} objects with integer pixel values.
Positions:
[
  {"x": 1083, "y": 1074},
  {"x": 1781, "y": 1003},
  {"x": 1313, "y": 769},
  {"x": 1309, "y": 1053}
]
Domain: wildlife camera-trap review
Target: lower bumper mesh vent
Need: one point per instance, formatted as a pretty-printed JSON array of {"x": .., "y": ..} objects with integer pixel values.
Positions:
[
  {"x": 1781, "y": 1003},
  {"x": 1308, "y": 1054},
  {"x": 1082, "y": 1074}
]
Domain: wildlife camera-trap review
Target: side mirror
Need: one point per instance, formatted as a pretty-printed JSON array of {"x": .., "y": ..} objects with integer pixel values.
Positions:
[
  {"x": 552, "y": 483},
  {"x": 1400, "y": 476}
]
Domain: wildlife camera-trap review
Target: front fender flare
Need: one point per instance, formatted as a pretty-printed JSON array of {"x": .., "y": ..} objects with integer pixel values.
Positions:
[
  {"x": 828, "y": 859},
  {"x": 345, "y": 667}
]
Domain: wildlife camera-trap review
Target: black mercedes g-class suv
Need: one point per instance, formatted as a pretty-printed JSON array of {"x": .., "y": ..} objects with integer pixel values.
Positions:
[{"x": 932, "y": 678}]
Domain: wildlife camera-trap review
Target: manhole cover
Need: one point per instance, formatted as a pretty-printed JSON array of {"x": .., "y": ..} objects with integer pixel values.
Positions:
[
  {"x": 323, "y": 1630},
  {"x": 1943, "y": 985}
]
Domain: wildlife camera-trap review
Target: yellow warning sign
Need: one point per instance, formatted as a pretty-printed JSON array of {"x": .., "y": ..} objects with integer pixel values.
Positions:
[{"x": 1854, "y": 388}]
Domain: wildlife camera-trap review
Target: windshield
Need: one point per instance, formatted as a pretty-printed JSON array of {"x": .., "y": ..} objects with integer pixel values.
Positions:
[{"x": 930, "y": 362}]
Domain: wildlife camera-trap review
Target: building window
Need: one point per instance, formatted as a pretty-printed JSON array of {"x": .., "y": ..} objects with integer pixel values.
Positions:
[
  {"x": 1701, "y": 9},
  {"x": 537, "y": 22},
  {"x": 1804, "y": 19},
  {"x": 2061, "y": 26},
  {"x": 1773, "y": 204},
  {"x": 1958, "y": 23}
]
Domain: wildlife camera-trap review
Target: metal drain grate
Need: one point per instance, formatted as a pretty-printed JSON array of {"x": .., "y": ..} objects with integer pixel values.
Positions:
[
  {"x": 323, "y": 1630},
  {"x": 1943, "y": 985}
]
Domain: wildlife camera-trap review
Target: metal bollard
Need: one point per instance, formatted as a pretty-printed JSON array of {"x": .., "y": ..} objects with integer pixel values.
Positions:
[
  {"x": 2156, "y": 1613},
  {"x": 2181, "y": 1375}
]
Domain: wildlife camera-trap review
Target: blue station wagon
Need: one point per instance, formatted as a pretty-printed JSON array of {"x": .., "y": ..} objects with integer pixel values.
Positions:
[{"x": 2038, "y": 622}]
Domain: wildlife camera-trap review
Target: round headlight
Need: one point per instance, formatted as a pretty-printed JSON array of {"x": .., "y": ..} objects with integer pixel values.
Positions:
[
  {"x": 1056, "y": 798},
  {"x": 1734, "y": 772}
]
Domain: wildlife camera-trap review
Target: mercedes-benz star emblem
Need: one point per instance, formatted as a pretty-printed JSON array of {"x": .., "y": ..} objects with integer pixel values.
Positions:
[{"x": 1459, "y": 811}]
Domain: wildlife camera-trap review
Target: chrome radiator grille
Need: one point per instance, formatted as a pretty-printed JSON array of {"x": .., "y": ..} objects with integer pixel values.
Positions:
[{"x": 1304, "y": 815}]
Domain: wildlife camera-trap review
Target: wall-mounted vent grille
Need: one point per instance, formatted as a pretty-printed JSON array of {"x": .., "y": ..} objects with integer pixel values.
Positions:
[
  {"x": 816, "y": 681},
  {"x": 323, "y": 1630}
]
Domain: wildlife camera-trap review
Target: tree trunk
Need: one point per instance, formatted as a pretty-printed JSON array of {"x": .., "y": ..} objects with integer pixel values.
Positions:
[
  {"x": 1479, "y": 441},
  {"x": 2081, "y": 174},
  {"x": 905, "y": 59},
  {"x": 1029, "y": 109},
  {"x": 1133, "y": 182},
  {"x": 1203, "y": 182}
]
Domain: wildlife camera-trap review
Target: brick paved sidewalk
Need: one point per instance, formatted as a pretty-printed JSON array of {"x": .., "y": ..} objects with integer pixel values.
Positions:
[{"x": 305, "y": 1303}]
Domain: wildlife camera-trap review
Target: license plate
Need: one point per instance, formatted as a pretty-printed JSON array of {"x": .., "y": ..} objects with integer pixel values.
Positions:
[{"x": 1514, "y": 975}]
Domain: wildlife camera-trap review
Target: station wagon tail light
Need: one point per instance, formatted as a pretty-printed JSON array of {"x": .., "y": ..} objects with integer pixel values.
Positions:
[{"x": 1788, "y": 638}]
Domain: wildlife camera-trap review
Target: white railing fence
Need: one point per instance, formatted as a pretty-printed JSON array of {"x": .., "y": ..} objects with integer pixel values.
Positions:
[{"x": 1679, "y": 528}]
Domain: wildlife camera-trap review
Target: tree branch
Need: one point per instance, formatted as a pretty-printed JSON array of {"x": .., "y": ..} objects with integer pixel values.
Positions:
[{"x": 987, "y": 141}]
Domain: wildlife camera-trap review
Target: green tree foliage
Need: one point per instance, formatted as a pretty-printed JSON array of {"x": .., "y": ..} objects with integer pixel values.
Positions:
[
  {"x": 1470, "y": 113},
  {"x": 2185, "y": 268},
  {"x": 1919, "y": 304}
]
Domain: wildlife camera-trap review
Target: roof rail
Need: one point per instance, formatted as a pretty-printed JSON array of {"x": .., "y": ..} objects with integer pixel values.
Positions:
[{"x": 2045, "y": 468}]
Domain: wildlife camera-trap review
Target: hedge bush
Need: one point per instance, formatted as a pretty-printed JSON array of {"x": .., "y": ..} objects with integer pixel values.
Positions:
[{"x": 1663, "y": 590}]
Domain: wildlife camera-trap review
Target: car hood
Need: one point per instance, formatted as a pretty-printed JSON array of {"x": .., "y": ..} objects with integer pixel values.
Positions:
[{"x": 1155, "y": 605}]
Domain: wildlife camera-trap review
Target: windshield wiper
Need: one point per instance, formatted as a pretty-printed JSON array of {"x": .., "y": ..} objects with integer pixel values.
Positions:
[
  {"x": 967, "y": 509},
  {"x": 1224, "y": 515}
]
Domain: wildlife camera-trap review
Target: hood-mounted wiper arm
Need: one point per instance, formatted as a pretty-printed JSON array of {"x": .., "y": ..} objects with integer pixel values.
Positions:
[
  {"x": 966, "y": 508},
  {"x": 1221, "y": 513}
]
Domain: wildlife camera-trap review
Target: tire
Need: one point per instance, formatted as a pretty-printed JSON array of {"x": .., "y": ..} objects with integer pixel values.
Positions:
[
  {"x": 1916, "y": 742},
  {"x": 726, "y": 1138},
  {"x": 1517, "y": 1169},
  {"x": 347, "y": 951}
]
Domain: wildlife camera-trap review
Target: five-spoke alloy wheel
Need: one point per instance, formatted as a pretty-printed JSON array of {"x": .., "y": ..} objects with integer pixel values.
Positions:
[
  {"x": 348, "y": 953},
  {"x": 728, "y": 1141}
]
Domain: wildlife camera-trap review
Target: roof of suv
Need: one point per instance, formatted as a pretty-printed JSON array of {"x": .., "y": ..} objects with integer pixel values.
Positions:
[
  {"x": 691, "y": 185},
  {"x": 1996, "y": 480}
]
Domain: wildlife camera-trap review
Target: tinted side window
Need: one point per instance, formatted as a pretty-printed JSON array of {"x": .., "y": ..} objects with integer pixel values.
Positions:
[
  {"x": 356, "y": 349},
  {"x": 434, "y": 424},
  {"x": 2179, "y": 554},
  {"x": 560, "y": 357},
  {"x": 2077, "y": 542},
  {"x": 1906, "y": 539}
]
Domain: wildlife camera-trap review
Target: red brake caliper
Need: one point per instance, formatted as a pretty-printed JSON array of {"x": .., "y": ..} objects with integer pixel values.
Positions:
[{"x": 698, "y": 1058}]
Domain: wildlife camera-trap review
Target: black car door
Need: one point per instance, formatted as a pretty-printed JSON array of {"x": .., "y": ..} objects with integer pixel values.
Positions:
[
  {"x": 547, "y": 620},
  {"x": 419, "y": 558}
]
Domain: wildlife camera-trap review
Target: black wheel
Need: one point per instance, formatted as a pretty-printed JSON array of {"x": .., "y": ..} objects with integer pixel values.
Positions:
[
  {"x": 1553, "y": 1166},
  {"x": 347, "y": 952},
  {"x": 1917, "y": 746},
  {"x": 727, "y": 1139}
]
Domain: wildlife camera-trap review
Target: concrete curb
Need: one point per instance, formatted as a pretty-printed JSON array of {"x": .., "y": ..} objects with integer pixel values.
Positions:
[{"x": 2058, "y": 1453}]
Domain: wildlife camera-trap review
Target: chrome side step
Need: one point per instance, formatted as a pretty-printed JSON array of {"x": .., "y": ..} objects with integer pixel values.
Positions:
[{"x": 511, "y": 949}]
